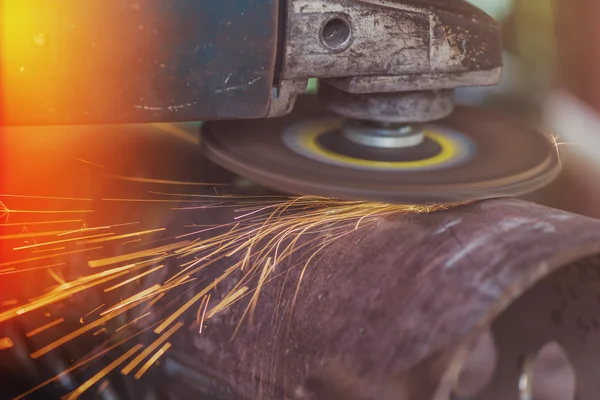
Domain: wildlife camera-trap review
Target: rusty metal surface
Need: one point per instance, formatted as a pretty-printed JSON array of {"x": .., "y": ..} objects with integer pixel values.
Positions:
[{"x": 395, "y": 317}]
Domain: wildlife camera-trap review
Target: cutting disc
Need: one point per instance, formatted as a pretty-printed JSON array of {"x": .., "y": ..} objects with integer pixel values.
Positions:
[{"x": 473, "y": 154}]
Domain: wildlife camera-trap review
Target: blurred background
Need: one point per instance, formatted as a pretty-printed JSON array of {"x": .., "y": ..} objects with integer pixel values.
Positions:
[{"x": 552, "y": 78}]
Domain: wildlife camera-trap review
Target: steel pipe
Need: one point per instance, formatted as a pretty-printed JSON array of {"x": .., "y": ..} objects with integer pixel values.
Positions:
[{"x": 399, "y": 309}]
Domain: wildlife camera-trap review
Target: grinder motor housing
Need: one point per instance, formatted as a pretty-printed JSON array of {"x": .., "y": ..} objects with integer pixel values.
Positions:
[{"x": 110, "y": 62}]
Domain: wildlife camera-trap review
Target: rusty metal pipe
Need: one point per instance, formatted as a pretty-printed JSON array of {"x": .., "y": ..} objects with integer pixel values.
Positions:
[{"x": 395, "y": 310}]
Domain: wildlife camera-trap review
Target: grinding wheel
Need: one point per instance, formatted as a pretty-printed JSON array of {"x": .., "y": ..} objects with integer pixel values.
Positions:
[{"x": 473, "y": 154}]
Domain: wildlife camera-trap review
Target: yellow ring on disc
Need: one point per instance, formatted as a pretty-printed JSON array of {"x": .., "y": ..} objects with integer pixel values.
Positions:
[{"x": 448, "y": 152}]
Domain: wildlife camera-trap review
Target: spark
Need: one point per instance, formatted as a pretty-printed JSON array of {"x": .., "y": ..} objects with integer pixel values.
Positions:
[
  {"x": 45, "y": 327},
  {"x": 65, "y": 291},
  {"x": 93, "y": 311},
  {"x": 45, "y": 197},
  {"x": 99, "y": 331},
  {"x": 135, "y": 299},
  {"x": 156, "y": 300},
  {"x": 139, "y": 254},
  {"x": 135, "y": 278},
  {"x": 227, "y": 301},
  {"x": 89, "y": 162},
  {"x": 131, "y": 241},
  {"x": 7, "y": 210},
  {"x": 147, "y": 351},
  {"x": 29, "y": 235},
  {"x": 80, "y": 364},
  {"x": 61, "y": 241},
  {"x": 9, "y": 303},
  {"x": 200, "y": 316},
  {"x": 555, "y": 140},
  {"x": 132, "y": 322},
  {"x": 263, "y": 234},
  {"x": 98, "y": 228},
  {"x": 65, "y": 253},
  {"x": 49, "y": 250},
  {"x": 265, "y": 273},
  {"x": 11, "y": 271},
  {"x": 66, "y": 221},
  {"x": 124, "y": 236},
  {"x": 152, "y": 360},
  {"x": 220, "y": 196},
  {"x": 104, "y": 372},
  {"x": 164, "y": 182},
  {"x": 67, "y": 338},
  {"x": 192, "y": 301},
  {"x": 56, "y": 277},
  {"x": 6, "y": 343}
]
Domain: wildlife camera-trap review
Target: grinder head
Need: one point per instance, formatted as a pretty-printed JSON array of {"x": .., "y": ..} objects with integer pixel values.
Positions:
[
  {"x": 472, "y": 154},
  {"x": 387, "y": 69}
]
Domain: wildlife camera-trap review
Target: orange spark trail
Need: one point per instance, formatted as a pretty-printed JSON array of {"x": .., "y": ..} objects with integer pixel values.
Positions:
[
  {"x": 66, "y": 221},
  {"x": 124, "y": 236},
  {"x": 165, "y": 182},
  {"x": 12, "y": 271},
  {"x": 133, "y": 299},
  {"x": 139, "y": 254},
  {"x": 98, "y": 228},
  {"x": 29, "y": 235},
  {"x": 140, "y": 357},
  {"x": 152, "y": 360},
  {"x": 192, "y": 301},
  {"x": 9, "y": 211},
  {"x": 45, "y": 197},
  {"x": 49, "y": 256},
  {"x": 227, "y": 301},
  {"x": 118, "y": 285},
  {"x": 105, "y": 371},
  {"x": 89, "y": 162},
  {"x": 200, "y": 318},
  {"x": 95, "y": 309},
  {"x": 48, "y": 348},
  {"x": 5, "y": 343},
  {"x": 99, "y": 331},
  {"x": 132, "y": 322},
  {"x": 49, "y": 250},
  {"x": 80, "y": 364},
  {"x": 44, "y": 327},
  {"x": 61, "y": 241}
]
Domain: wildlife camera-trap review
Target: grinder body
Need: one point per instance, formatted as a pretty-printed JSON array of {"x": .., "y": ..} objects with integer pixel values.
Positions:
[{"x": 105, "y": 62}]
